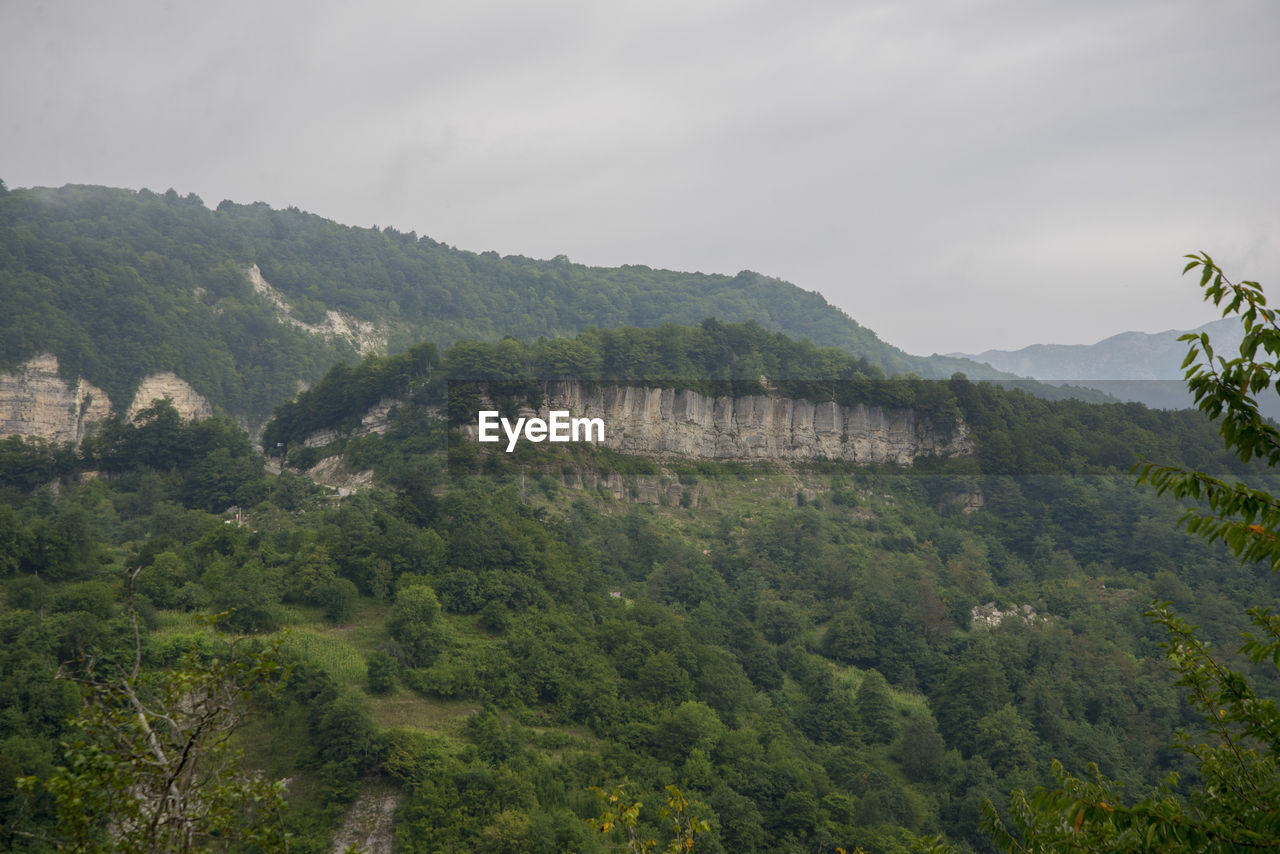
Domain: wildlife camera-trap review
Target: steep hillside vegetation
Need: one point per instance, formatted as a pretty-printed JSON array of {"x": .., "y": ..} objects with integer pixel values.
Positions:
[{"x": 818, "y": 655}]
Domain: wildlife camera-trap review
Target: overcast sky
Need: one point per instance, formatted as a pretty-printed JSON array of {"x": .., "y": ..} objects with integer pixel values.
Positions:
[{"x": 954, "y": 175}]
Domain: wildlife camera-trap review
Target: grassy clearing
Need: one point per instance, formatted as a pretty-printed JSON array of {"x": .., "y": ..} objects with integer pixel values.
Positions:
[
  {"x": 339, "y": 658},
  {"x": 409, "y": 711},
  {"x": 340, "y": 649},
  {"x": 171, "y": 624},
  {"x": 176, "y": 630}
]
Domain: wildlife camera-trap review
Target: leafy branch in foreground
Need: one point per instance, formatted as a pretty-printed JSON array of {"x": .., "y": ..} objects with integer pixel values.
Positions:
[
  {"x": 1236, "y": 803},
  {"x": 1236, "y": 806},
  {"x": 621, "y": 814},
  {"x": 154, "y": 769},
  {"x": 1226, "y": 390}
]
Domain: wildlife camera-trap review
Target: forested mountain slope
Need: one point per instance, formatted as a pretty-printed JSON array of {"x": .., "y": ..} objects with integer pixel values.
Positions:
[
  {"x": 1015, "y": 432},
  {"x": 244, "y": 302},
  {"x": 818, "y": 654}
]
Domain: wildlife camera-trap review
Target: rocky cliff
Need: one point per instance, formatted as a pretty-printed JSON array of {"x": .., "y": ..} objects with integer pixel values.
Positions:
[
  {"x": 37, "y": 403},
  {"x": 683, "y": 423},
  {"x": 185, "y": 399}
]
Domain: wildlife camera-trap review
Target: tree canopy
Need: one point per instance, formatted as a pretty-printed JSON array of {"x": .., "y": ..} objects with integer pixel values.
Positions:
[{"x": 1232, "y": 802}]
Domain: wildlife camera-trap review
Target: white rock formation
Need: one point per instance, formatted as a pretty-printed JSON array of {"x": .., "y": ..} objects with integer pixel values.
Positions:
[
  {"x": 989, "y": 615},
  {"x": 667, "y": 422},
  {"x": 376, "y": 420},
  {"x": 364, "y": 337},
  {"x": 189, "y": 403},
  {"x": 36, "y": 402}
]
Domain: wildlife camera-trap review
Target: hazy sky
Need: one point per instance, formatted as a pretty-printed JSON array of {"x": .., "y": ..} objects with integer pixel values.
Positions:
[{"x": 955, "y": 175}]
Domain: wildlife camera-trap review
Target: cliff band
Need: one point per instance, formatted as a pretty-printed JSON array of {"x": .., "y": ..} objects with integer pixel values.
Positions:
[
  {"x": 35, "y": 402},
  {"x": 685, "y": 423}
]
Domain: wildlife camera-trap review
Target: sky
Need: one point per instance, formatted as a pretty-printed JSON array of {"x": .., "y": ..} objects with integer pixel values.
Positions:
[{"x": 957, "y": 175}]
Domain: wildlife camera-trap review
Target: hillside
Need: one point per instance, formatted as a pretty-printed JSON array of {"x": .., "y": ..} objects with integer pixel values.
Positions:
[
  {"x": 744, "y": 395},
  {"x": 244, "y": 302},
  {"x": 818, "y": 652},
  {"x": 833, "y": 605}
]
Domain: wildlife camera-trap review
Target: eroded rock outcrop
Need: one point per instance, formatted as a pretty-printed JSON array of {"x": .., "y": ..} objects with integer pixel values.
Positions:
[
  {"x": 989, "y": 616},
  {"x": 376, "y": 420},
  {"x": 683, "y": 423},
  {"x": 189, "y": 403},
  {"x": 366, "y": 338},
  {"x": 36, "y": 402}
]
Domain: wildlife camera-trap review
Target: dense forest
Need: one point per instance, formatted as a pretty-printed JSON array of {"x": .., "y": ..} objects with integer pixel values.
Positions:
[
  {"x": 119, "y": 284},
  {"x": 816, "y": 655}
]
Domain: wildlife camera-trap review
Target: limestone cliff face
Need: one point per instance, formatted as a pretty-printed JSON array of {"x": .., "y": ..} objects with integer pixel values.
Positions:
[
  {"x": 36, "y": 402},
  {"x": 376, "y": 420},
  {"x": 664, "y": 421},
  {"x": 189, "y": 403}
]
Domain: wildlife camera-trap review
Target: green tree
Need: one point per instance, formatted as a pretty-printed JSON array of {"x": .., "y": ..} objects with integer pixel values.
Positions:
[
  {"x": 692, "y": 726},
  {"x": 876, "y": 715},
  {"x": 153, "y": 769},
  {"x": 662, "y": 679},
  {"x": 339, "y": 599},
  {"x": 381, "y": 670},
  {"x": 922, "y": 748},
  {"x": 247, "y": 592},
  {"x": 1235, "y": 805},
  {"x": 975, "y": 687},
  {"x": 850, "y": 639},
  {"x": 1005, "y": 740},
  {"x": 415, "y": 624}
]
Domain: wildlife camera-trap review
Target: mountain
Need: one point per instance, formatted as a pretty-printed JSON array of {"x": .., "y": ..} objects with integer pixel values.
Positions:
[
  {"x": 244, "y": 302},
  {"x": 1135, "y": 366},
  {"x": 849, "y": 620},
  {"x": 834, "y": 608}
]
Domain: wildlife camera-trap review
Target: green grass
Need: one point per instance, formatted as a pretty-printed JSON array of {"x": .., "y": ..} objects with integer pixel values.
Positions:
[
  {"x": 340, "y": 649},
  {"x": 339, "y": 658},
  {"x": 405, "y": 710},
  {"x": 171, "y": 624}
]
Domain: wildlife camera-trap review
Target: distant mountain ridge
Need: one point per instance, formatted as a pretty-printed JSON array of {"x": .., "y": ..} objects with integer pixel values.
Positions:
[{"x": 1138, "y": 366}]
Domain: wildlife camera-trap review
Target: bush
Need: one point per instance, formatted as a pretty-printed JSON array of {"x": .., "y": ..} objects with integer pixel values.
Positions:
[{"x": 381, "y": 669}]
